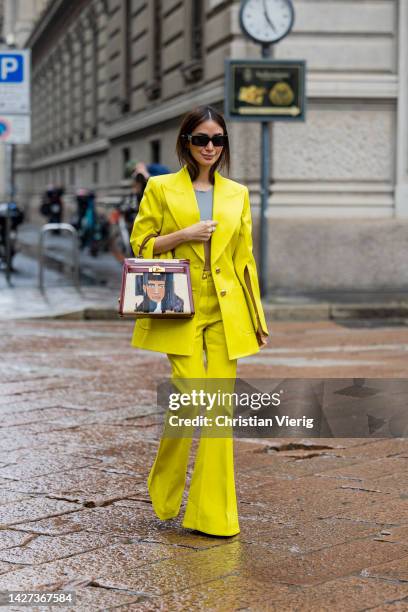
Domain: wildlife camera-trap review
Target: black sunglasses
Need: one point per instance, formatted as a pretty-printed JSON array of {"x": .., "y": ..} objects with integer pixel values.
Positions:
[{"x": 202, "y": 140}]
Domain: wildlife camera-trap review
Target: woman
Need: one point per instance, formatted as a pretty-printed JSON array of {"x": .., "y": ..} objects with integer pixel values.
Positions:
[{"x": 199, "y": 215}]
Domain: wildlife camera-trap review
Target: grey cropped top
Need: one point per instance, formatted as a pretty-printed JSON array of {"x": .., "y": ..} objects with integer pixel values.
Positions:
[{"x": 205, "y": 203}]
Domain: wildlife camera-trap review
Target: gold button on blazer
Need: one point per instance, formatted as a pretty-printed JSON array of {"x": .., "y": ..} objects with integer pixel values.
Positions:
[{"x": 169, "y": 204}]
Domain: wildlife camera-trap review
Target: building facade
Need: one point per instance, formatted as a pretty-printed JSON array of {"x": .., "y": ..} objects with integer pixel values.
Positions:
[{"x": 112, "y": 78}]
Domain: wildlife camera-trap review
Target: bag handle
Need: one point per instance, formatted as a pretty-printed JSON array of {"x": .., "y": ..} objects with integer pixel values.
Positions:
[{"x": 142, "y": 246}]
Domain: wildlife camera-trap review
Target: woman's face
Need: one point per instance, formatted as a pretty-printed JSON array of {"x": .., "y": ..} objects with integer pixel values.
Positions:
[
  {"x": 208, "y": 155},
  {"x": 155, "y": 289}
]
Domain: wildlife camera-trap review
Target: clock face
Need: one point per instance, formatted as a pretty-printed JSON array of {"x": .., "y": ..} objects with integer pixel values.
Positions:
[{"x": 266, "y": 21}]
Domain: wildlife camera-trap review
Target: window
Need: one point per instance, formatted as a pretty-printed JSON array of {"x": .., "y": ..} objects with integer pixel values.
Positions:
[
  {"x": 155, "y": 151},
  {"x": 152, "y": 88},
  {"x": 192, "y": 68},
  {"x": 197, "y": 30},
  {"x": 95, "y": 67},
  {"x": 72, "y": 176},
  {"x": 95, "y": 173},
  {"x": 157, "y": 40},
  {"x": 125, "y": 161},
  {"x": 126, "y": 55}
]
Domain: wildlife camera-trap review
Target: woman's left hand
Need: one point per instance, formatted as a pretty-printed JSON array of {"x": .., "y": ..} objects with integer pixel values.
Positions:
[{"x": 262, "y": 339}]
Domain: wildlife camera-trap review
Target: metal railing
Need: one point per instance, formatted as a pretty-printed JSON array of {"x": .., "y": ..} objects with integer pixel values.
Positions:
[{"x": 48, "y": 227}]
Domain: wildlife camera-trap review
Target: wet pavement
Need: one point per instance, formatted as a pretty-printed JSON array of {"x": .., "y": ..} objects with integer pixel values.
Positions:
[{"x": 324, "y": 522}]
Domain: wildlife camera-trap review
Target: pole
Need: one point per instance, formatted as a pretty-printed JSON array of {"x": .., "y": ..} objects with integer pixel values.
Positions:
[
  {"x": 12, "y": 173},
  {"x": 263, "y": 220},
  {"x": 7, "y": 245},
  {"x": 10, "y": 193}
]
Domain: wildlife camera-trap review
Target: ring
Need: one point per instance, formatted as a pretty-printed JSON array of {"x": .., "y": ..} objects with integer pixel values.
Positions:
[{"x": 213, "y": 229}]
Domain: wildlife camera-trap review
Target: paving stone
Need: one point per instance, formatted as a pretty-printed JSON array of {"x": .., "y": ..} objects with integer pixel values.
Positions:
[
  {"x": 28, "y": 469},
  {"x": 114, "y": 566},
  {"x": 83, "y": 485},
  {"x": 34, "y": 416},
  {"x": 41, "y": 427},
  {"x": 42, "y": 549},
  {"x": 7, "y": 497},
  {"x": 27, "y": 386},
  {"x": 94, "y": 598},
  {"x": 290, "y": 467},
  {"x": 396, "y": 569},
  {"x": 309, "y": 536},
  {"x": 390, "y": 483},
  {"x": 9, "y": 441},
  {"x": 328, "y": 563},
  {"x": 369, "y": 469},
  {"x": 10, "y": 538},
  {"x": 6, "y": 568},
  {"x": 394, "y": 512},
  {"x": 377, "y": 448},
  {"x": 298, "y": 508},
  {"x": 34, "y": 509},
  {"x": 275, "y": 490},
  {"x": 91, "y": 437},
  {"x": 24, "y": 404},
  {"x": 122, "y": 415},
  {"x": 394, "y": 534},
  {"x": 36, "y": 454},
  {"x": 125, "y": 452},
  {"x": 393, "y": 606}
]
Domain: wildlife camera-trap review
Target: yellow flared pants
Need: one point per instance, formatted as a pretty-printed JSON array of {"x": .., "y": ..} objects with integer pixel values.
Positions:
[{"x": 211, "y": 505}]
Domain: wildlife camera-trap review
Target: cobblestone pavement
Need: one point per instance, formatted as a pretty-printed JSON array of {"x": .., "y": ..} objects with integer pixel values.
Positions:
[{"x": 324, "y": 523}]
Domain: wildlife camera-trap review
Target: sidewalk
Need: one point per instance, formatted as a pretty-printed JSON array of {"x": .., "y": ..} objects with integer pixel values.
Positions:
[{"x": 324, "y": 522}]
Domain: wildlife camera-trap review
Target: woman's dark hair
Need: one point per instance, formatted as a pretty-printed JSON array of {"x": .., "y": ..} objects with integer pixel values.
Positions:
[{"x": 188, "y": 124}]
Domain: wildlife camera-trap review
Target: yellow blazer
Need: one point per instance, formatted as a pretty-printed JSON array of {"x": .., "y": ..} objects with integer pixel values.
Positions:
[{"x": 169, "y": 204}]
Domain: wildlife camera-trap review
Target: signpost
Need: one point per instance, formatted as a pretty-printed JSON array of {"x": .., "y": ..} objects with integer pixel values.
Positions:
[
  {"x": 265, "y": 90},
  {"x": 15, "y": 109}
]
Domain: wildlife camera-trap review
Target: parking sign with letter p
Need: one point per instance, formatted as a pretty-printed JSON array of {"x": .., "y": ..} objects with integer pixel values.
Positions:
[{"x": 11, "y": 68}]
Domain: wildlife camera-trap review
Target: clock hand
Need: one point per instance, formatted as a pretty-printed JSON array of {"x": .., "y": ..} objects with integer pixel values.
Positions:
[{"x": 267, "y": 16}]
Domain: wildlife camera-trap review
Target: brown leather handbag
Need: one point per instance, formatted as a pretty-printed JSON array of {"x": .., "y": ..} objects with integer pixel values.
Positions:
[{"x": 156, "y": 288}]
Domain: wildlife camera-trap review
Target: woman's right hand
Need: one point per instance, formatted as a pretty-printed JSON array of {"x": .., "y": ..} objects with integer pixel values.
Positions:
[{"x": 201, "y": 231}]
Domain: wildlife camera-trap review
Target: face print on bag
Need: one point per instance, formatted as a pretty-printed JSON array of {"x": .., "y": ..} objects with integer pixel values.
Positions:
[{"x": 157, "y": 291}]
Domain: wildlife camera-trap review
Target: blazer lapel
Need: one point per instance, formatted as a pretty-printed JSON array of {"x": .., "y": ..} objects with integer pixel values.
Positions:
[{"x": 227, "y": 209}]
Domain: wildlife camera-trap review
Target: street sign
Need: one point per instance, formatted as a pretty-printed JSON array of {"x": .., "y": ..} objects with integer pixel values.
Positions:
[
  {"x": 15, "y": 81},
  {"x": 15, "y": 129},
  {"x": 265, "y": 90}
]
